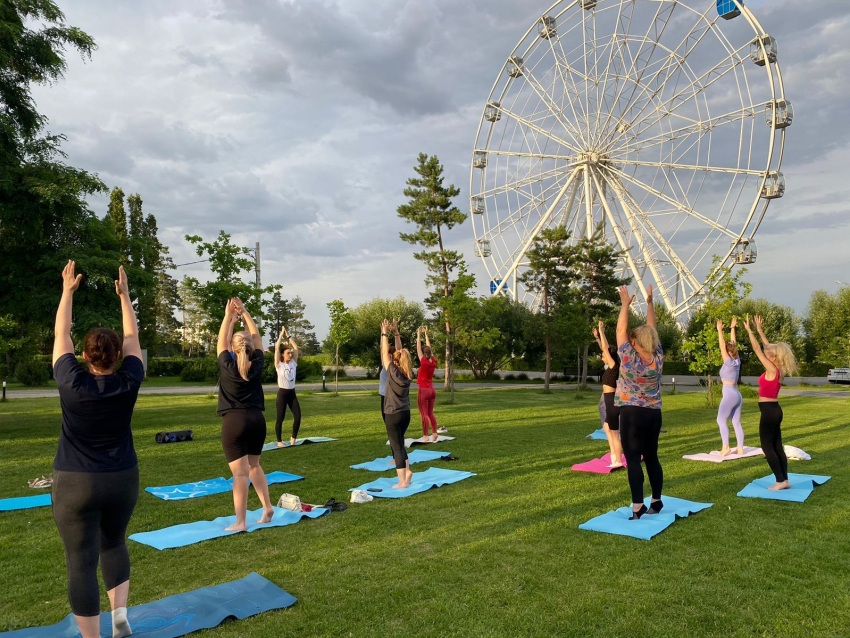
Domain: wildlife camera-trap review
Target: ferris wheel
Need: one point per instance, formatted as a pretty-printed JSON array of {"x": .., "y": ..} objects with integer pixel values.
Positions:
[{"x": 662, "y": 121}]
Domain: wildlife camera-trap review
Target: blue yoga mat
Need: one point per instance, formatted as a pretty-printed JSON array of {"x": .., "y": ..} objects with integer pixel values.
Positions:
[
  {"x": 212, "y": 486},
  {"x": 190, "y": 533},
  {"x": 617, "y": 521},
  {"x": 24, "y": 502},
  {"x": 268, "y": 447},
  {"x": 598, "y": 435},
  {"x": 801, "y": 486},
  {"x": 421, "y": 482},
  {"x": 417, "y": 456},
  {"x": 182, "y": 614}
]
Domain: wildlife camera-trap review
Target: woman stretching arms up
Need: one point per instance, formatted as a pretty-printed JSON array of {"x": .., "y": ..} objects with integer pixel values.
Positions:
[
  {"x": 241, "y": 404},
  {"x": 96, "y": 480},
  {"x": 778, "y": 361},
  {"x": 426, "y": 396},
  {"x": 286, "y": 367},
  {"x": 397, "y": 401},
  {"x": 639, "y": 398},
  {"x": 609, "y": 388},
  {"x": 732, "y": 401}
]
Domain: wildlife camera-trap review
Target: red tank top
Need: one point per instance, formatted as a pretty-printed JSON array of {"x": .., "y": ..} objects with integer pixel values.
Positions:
[
  {"x": 426, "y": 373},
  {"x": 769, "y": 389}
]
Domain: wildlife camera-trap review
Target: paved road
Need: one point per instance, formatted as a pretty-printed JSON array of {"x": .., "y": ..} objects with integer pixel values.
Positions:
[{"x": 373, "y": 385}]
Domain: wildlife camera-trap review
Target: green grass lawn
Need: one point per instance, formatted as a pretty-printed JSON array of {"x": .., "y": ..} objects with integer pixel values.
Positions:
[{"x": 499, "y": 554}]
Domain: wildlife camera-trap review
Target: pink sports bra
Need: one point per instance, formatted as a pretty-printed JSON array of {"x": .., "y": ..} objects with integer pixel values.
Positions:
[{"x": 769, "y": 389}]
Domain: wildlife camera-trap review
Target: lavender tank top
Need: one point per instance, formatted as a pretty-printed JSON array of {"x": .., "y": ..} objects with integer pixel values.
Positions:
[{"x": 729, "y": 370}]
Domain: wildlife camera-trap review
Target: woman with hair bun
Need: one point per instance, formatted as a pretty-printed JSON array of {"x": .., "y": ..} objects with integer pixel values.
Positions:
[
  {"x": 732, "y": 401},
  {"x": 399, "y": 367},
  {"x": 241, "y": 404},
  {"x": 96, "y": 472},
  {"x": 639, "y": 399},
  {"x": 778, "y": 361},
  {"x": 426, "y": 396}
]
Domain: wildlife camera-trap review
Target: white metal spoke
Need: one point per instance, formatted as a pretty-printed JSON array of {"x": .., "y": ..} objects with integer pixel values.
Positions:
[
  {"x": 695, "y": 167},
  {"x": 557, "y": 112}
]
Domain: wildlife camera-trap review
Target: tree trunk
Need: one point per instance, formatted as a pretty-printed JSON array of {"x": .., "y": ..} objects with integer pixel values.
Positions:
[
  {"x": 336, "y": 373},
  {"x": 548, "y": 342},
  {"x": 584, "y": 369}
]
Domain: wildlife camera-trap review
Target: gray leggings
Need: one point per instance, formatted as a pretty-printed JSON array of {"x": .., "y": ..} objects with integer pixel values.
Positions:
[
  {"x": 92, "y": 511},
  {"x": 730, "y": 408}
]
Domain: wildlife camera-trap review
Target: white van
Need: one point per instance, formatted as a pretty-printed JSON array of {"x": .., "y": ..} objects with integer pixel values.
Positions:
[{"x": 838, "y": 375}]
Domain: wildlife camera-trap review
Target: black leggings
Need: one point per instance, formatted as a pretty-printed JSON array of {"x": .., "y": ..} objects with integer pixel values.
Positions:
[
  {"x": 383, "y": 416},
  {"x": 639, "y": 430},
  {"x": 92, "y": 511},
  {"x": 771, "y": 439},
  {"x": 286, "y": 397},
  {"x": 612, "y": 412},
  {"x": 397, "y": 423}
]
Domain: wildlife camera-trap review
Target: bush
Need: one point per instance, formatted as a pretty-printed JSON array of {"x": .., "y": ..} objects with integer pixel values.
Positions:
[
  {"x": 522, "y": 376},
  {"x": 307, "y": 368},
  {"x": 330, "y": 372},
  {"x": 205, "y": 369},
  {"x": 32, "y": 373},
  {"x": 677, "y": 368},
  {"x": 167, "y": 366},
  {"x": 510, "y": 377},
  {"x": 815, "y": 369}
]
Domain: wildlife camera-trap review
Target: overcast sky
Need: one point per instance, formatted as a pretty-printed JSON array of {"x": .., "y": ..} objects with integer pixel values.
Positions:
[{"x": 296, "y": 123}]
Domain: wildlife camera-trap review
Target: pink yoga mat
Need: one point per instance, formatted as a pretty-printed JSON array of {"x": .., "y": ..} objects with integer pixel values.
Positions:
[
  {"x": 598, "y": 466},
  {"x": 714, "y": 457}
]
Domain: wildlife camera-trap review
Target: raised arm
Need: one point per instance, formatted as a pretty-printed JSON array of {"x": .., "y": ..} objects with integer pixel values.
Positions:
[
  {"x": 398, "y": 345},
  {"x": 225, "y": 332},
  {"x": 250, "y": 326},
  {"x": 623, "y": 320},
  {"x": 277, "y": 347},
  {"x": 62, "y": 343},
  {"x": 723, "y": 352},
  {"x": 427, "y": 339},
  {"x": 607, "y": 359},
  {"x": 769, "y": 366},
  {"x": 650, "y": 308},
  {"x": 759, "y": 323},
  {"x": 385, "y": 344},
  {"x": 294, "y": 346},
  {"x": 131, "y": 347},
  {"x": 734, "y": 325},
  {"x": 419, "y": 343}
]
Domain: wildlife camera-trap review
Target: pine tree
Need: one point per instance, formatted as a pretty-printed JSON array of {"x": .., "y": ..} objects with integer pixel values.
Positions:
[
  {"x": 118, "y": 216},
  {"x": 137, "y": 230},
  {"x": 430, "y": 208}
]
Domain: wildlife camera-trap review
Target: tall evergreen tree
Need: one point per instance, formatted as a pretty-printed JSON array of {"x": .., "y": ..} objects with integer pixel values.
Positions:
[
  {"x": 596, "y": 288},
  {"x": 290, "y": 313},
  {"x": 117, "y": 214},
  {"x": 551, "y": 274},
  {"x": 431, "y": 209},
  {"x": 136, "y": 239}
]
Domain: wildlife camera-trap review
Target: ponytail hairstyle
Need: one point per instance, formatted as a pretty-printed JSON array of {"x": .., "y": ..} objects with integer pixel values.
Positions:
[
  {"x": 403, "y": 361},
  {"x": 102, "y": 348},
  {"x": 243, "y": 348},
  {"x": 782, "y": 355},
  {"x": 732, "y": 349}
]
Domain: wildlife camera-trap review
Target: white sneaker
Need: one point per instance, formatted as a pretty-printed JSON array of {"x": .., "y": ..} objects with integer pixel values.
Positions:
[
  {"x": 360, "y": 496},
  {"x": 442, "y": 430}
]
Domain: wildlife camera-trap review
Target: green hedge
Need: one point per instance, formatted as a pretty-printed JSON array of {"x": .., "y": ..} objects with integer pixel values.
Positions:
[
  {"x": 167, "y": 366},
  {"x": 33, "y": 373},
  {"x": 205, "y": 369}
]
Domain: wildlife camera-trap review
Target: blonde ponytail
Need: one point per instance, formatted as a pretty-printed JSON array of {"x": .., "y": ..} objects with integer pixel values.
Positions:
[{"x": 243, "y": 348}]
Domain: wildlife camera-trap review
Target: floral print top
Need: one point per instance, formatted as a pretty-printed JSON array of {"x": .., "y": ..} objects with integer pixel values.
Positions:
[{"x": 639, "y": 383}]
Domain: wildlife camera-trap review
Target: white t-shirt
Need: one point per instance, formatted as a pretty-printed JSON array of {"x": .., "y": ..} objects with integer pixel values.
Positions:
[{"x": 286, "y": 375}]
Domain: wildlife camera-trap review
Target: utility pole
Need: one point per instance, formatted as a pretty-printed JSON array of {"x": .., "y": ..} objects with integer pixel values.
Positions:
[{"x": 259, "y": 282}]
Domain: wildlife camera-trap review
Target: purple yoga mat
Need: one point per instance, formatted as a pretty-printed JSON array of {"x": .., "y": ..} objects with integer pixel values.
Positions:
[{"x": 598, "y": 466}]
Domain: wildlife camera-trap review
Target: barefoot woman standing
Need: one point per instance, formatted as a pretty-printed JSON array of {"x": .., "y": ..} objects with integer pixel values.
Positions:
[
  {"x": 241, "y": 404},
  {"x": 399, "y": 369}
]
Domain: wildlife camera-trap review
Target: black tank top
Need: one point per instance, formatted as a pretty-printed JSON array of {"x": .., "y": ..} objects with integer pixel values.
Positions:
[{"x": 610, "y": 376}]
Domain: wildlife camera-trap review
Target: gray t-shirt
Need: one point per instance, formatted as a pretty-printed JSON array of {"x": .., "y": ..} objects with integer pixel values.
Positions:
[
  {"x": 397, "y": 398},
  {"x": 382, "y": 382}
]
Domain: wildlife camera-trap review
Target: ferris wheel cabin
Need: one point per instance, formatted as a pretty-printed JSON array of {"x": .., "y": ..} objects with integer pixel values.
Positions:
[
  {"x": 764, "y": 49},
  {"x": 479, "y": 159},
  {"x": 780, "y": 113},
  {"x": 774, "y": 186},
  {"x": 587, "y": 5},
  {"x": 493, "y": 112},
  {"x": 744, "y": 251},
  {"x": 547, "y": 27},
  {"x": 482, "y": 248},
  {"x": 514, "y": 67},
  {"x": 476, "y": 205},
  {"x": 728, "y": 9}
]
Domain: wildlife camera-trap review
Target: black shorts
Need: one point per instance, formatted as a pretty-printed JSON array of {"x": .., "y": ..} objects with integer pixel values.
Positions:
[
  {"x": 612, "y": 412},
  {"x": 243, "y": 432}
]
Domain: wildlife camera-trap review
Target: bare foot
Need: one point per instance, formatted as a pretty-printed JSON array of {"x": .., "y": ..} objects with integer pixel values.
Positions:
[
  {"x": 614, "y": 466},
  {"x": 434, "y": 438},
  {"x": 281, "y": 444},
  {"x": 267, "y": 517},
  {"x": 408, "y": 477},
  {"x": 399, "y": 486},
  {"x": 784, "y": 485},
  {"x": 236, "y": 527},
  {"x": 740, "y": 451},
  {"x": 293, "y": 441},
  {"x": 725, "y": 450},
  {"x": 425, "y": 439}
]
